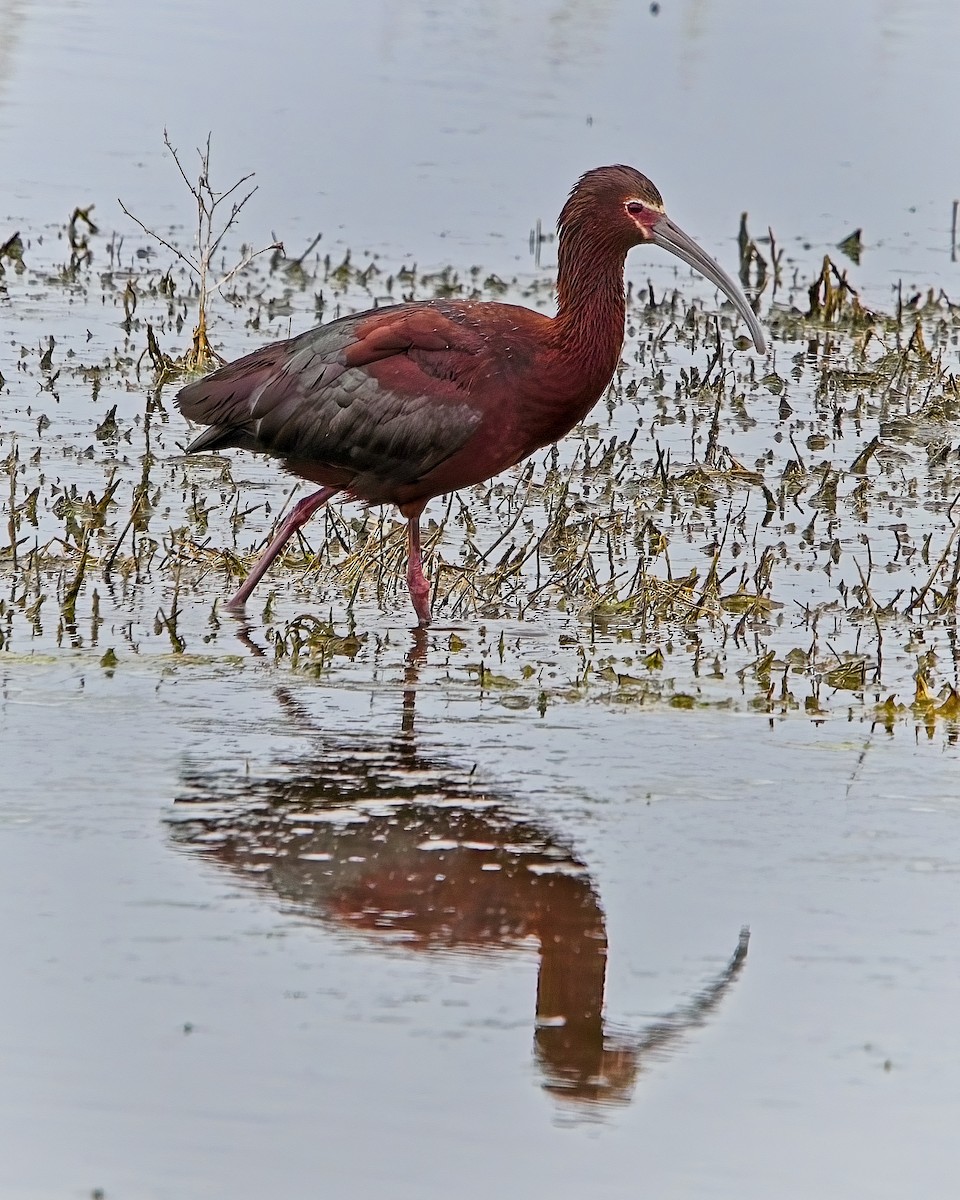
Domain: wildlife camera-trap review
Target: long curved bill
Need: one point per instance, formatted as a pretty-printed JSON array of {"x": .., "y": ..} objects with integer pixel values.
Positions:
[{"x": 671, "y": 237}]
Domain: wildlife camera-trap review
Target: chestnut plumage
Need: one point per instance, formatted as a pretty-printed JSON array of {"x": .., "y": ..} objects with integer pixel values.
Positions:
[{"x": 400, "y": 404}]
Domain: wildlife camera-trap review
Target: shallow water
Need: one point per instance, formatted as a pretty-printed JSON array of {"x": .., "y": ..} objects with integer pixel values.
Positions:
[
  {"x": 462, "y": 912},
  {"x": 441, "y": 133},
  {"x": 203, "y": 1003}
]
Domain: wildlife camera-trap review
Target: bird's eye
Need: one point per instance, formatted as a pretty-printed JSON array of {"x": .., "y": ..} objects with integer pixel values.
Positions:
[{"x": 634, "y": 208}]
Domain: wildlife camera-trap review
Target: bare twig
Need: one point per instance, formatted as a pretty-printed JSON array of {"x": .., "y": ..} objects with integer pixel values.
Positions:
[{"x": 201, "y": 355}]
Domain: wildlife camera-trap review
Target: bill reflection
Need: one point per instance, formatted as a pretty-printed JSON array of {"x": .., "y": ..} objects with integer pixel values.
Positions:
[{"x": 372, "y": 836}]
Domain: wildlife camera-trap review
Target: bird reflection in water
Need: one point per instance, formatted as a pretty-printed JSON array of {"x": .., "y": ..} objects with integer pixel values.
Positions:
[{"x": 377, "y": 837}]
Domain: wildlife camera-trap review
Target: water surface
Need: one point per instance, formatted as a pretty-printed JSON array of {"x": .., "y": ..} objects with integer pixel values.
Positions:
[{"x": 461, "y": 913}]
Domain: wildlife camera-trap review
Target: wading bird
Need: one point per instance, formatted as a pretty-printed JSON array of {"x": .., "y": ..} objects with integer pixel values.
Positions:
[{"x": 397, "y": 405}]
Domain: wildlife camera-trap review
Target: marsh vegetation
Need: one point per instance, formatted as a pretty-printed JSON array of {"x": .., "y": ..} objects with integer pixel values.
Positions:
[{"x": 723, "y": 530}]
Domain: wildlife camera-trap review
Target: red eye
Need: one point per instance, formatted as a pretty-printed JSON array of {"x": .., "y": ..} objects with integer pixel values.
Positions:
[{"x": 635, "y": 208}]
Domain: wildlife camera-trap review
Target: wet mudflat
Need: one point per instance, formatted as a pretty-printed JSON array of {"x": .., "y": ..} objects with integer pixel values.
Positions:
[{"x": 312, "y": 902}]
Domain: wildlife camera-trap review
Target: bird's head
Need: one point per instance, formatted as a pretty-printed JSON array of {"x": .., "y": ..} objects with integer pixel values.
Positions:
[{"x": 616, "y": 208}]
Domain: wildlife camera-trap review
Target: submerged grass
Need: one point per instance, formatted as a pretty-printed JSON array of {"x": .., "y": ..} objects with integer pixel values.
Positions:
[{"x": 777, "y": 536}]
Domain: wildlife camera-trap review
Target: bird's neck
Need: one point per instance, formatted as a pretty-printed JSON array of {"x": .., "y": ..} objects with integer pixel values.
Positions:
[{"x": 590, "y": 302}]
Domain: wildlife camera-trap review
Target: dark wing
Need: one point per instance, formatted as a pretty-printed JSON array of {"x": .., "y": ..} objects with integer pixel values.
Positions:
[{"x": 380, "y": 398}]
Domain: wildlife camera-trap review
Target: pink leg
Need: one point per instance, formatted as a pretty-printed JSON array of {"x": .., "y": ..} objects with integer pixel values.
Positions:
[
  {"x": 417, "y": 582},
  {"x": 298, "y": 515}
]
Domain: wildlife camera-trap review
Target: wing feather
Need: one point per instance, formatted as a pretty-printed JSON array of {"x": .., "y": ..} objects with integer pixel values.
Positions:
[{"x": 383, "y": 396}]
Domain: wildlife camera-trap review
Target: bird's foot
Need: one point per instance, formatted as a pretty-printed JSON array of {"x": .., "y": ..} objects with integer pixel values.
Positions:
[
  {"x": 417, "y": 583},
  {"x": 421, "y": 606},
  {"x": 419, "y": 587}
]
